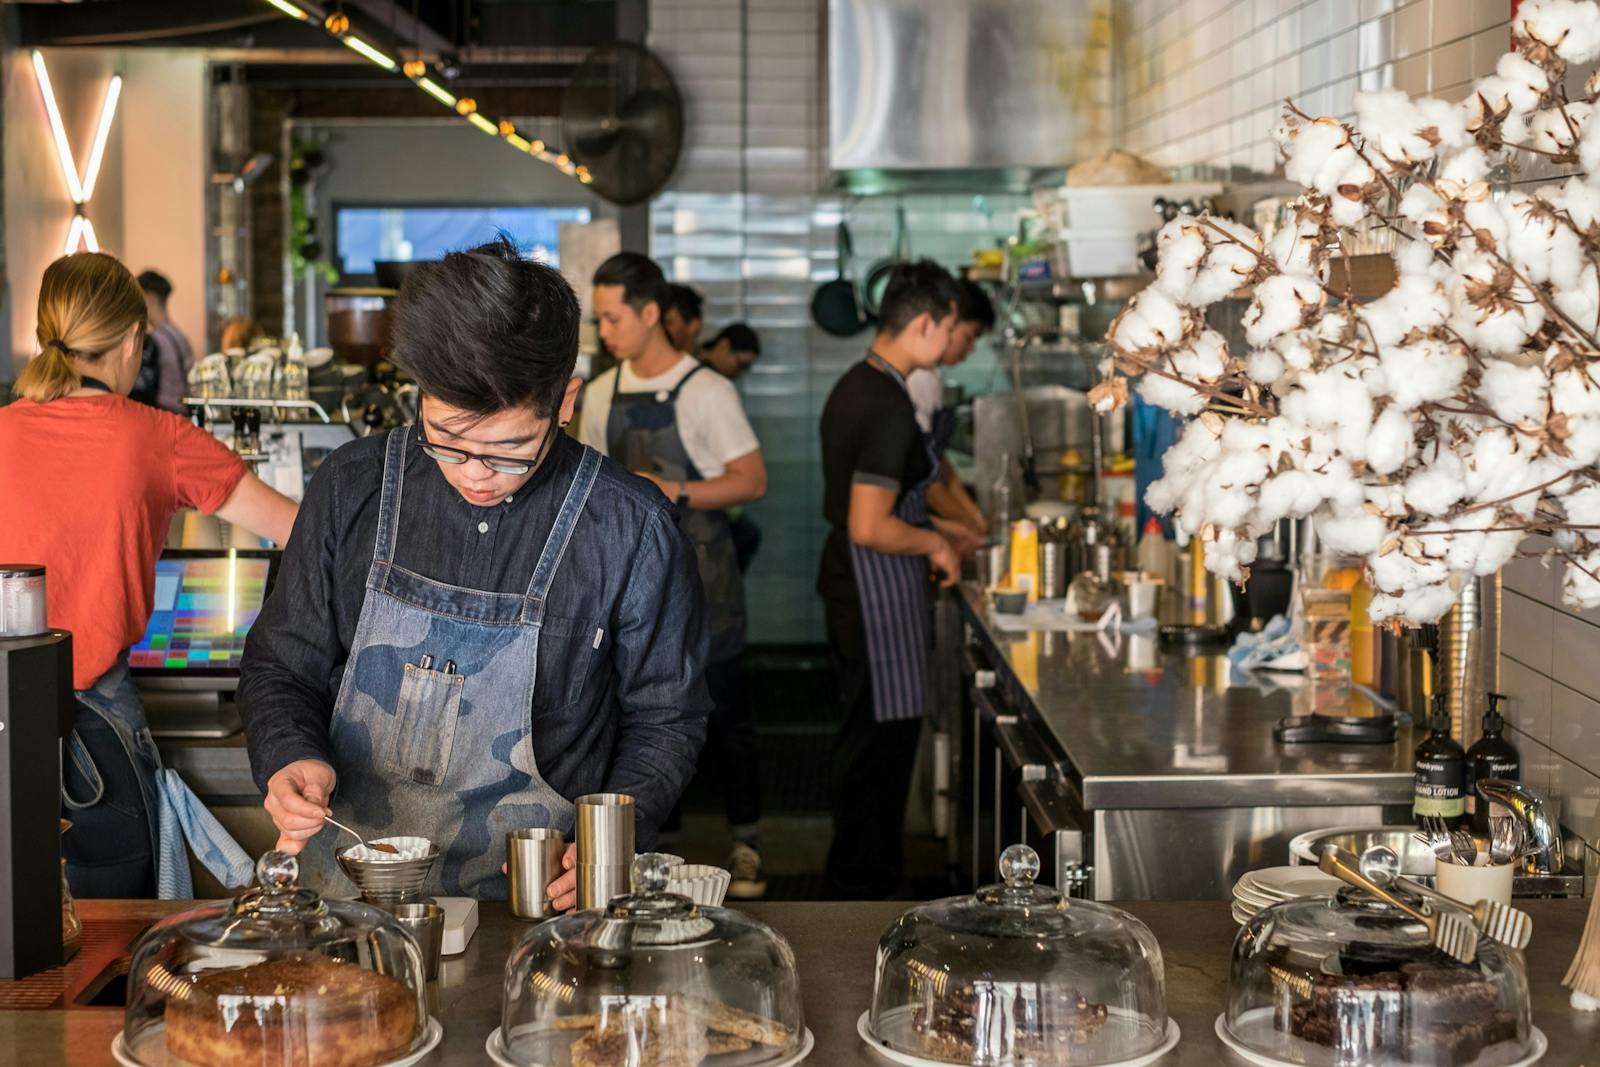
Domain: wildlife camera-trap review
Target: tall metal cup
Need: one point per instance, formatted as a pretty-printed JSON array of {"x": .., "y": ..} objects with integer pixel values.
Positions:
[
  {"x": 533, "y": 861},
  {"x": 605, "y": 844}
]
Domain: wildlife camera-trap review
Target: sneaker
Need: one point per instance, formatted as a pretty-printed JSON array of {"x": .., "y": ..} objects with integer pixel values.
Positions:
[{"x": 748, "y": 882}]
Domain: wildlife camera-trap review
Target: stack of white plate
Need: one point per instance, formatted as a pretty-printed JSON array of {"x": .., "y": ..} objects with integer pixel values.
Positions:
[{"x": 1274, "y": 885}]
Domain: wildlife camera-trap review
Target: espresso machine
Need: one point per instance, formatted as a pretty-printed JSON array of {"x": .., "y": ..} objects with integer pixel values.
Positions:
[{"x": 36, "y": 709}]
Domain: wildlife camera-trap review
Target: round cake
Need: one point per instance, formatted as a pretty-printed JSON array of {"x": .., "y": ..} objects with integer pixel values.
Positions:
[{"x": 300, "y": 1011}]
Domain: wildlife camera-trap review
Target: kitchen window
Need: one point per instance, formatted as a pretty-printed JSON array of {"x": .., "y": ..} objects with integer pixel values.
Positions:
[{"x": 365, "y": 234}]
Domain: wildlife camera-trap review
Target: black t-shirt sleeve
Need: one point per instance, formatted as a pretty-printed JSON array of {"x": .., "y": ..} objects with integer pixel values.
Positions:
[{"x": 884, "y": 450}]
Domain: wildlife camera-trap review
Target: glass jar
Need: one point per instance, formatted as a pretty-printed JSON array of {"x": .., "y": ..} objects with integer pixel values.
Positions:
[
  {"x": 1019, "y": 974},
  {"x": 1344, "y": 979},
  {"x": 1094, "y": 590},
  {"x": 277, "y": 976},
  {"x": 651, "y": 979}
]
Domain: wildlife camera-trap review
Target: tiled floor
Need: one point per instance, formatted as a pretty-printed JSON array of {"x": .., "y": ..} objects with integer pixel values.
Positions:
[{"x": 795, "y": 721}]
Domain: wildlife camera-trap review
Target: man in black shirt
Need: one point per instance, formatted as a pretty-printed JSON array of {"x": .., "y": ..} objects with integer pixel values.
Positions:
[
  {"x": 874, "y": 576},
  {"x": 521, "y": 625}
]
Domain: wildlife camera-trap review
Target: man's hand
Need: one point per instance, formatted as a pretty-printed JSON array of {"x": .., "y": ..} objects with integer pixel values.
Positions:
[
  {"x": 945, "y": 562},
  {"x": 297, "y": 800},
  {"x": 962, "y": 538},
  {"x": 563, "y": 892}
]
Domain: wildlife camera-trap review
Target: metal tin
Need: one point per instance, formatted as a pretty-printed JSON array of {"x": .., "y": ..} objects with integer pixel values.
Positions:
[{"x": 22, "y": 600}]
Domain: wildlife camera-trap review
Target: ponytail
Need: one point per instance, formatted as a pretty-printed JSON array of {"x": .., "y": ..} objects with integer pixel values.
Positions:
[
  {"x": 47, "y": 376},
  {"x": 88, "y": 303}
]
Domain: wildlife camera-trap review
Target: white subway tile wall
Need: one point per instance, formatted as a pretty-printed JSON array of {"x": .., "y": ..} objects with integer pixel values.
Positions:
[
  {"x": 1202, "y": 80},
  {"x": 745, "y": 221}
]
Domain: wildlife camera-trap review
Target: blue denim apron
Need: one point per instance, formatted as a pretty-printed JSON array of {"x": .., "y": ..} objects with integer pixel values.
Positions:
[
  {"x": 175, "y": 814},
  {"x": 431, "y": 729},
  {"x": 642, "y": 430},
  {"x": 895, "y": 607}
]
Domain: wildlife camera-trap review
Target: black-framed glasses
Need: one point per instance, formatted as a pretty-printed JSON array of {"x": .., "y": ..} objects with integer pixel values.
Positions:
[{"x": 498, "y": 464}]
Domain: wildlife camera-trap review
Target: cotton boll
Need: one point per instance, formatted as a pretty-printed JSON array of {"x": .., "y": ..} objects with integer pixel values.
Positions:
[
  {"x": 1568, "y": 27},
  {"x": 1280, "y": 305},
  {"x": 1294, "y": 244},
  {"x": 1397, "y": 572},
  {"x": 1392, "y": 124},
  {"x": 1390, "y": 445},
  {"x": 1290, "y": 495},
  {"x": 1530, "y": 231},
  {"x": 1264, "y": 366},
  {"x": 1583, "y": 444},
  {"x": 1417, "y": 301},
  {"x": 1424, "y": 371},
  {"x": 1226, "y": 267},
  {"x": 1203, "y": 359},
  {"x": 1438, "y": 485},
  {"x": 1319, "y": 152},
  {"x": 1151, "y": 320},
  {"x": 1486, "y": 215},
  {"x": 1583, "y": 506},
  {"x": 1526, "y": 85},
  {"x": 1180, "y": 248},
  {"x": 1421, "y": 605},
  {"x": 1575, "y": 392},
  {"x": 1465, "y": 167},
  {"x": 1558, "y": 129},
  {"x": 1422, "y": 206},
  {"x": 1579, "y": 588},
  {"x": 1578, "y": 198},
  {"x": 1445, "y": 119},
  {"x": 1355, "y": 533},
  {"x": 1176, "y": 397},
  {"x": 1228, "y": 555},
  {"x": 1519, "y": 395}
]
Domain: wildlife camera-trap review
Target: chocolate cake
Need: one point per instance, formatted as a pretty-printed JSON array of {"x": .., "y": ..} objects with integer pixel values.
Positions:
[
  {"x": 1425, "y": 1013},
  {"x": 300, "y": 1011},
  {"x": 1046, "y": 1025}
]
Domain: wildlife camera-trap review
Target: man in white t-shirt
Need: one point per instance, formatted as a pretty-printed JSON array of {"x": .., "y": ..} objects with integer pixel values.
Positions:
[{"x": 670, "y": 418}]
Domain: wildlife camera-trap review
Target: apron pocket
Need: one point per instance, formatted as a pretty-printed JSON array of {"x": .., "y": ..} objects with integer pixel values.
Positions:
[{"x": 425, "y": 725}]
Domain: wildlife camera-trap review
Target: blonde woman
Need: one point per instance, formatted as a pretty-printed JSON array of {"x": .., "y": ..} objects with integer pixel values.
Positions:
[{"x": 94, "y": 479}]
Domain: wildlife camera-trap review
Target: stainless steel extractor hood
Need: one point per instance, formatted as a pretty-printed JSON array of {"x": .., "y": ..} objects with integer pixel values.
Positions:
[{"x": 930, "y": 87}]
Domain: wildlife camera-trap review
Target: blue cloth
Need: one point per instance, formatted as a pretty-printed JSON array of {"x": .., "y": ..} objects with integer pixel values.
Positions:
[
  {"x": 185, "y": 820},
  {"x": 626, "y": 713},
  {"x": 172, "y": 805},
  {"x": 1250, "y": 651}
]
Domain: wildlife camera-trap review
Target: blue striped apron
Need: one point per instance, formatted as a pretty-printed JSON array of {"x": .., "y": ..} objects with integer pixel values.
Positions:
[{"x": 895, "y": 608}]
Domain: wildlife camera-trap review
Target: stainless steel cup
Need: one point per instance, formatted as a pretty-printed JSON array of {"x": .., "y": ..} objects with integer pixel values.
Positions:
[
  {"x": 598, "y": 884},
  {"x": 533, "y": 861},
  {"x": 605, "y": 830},
  {"x": 425, "y": 922}
]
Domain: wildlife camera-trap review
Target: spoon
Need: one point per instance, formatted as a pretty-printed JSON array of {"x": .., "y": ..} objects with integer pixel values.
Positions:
[{"x": 376, "y": 846}]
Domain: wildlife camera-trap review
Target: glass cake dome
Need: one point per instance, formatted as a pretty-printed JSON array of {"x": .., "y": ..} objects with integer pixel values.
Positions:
[
  {"x": 1341, "y": 980},
  {"x": 1018, "y": 975},
  {"x": 278, "y": 976},
  {"x": 651, "y": 980}
]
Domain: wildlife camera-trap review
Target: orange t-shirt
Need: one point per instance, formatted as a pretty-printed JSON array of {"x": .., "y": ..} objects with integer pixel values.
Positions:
[{"x": 89, "y": 486}]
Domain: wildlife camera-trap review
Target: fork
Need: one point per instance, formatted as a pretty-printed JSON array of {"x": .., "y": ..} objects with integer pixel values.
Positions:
[
  {"x": 1465, "y": 847},
  {"x": 1436, "y": 836},
  {"x": 1449, "y": 931}
]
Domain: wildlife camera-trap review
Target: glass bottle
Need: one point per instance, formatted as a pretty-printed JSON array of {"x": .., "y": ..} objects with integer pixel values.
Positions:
[
  {"x": 1491, "y": 756},
  {"x": 1441, "y": 769}
]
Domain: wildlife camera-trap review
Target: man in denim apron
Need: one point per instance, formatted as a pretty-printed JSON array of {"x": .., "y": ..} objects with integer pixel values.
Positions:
[{"x": 479, "y": 619}]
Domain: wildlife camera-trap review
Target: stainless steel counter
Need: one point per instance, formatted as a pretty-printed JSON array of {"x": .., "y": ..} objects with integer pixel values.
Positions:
[
  {"x": 1148, "y": 727},
  {"x": 1164, "y": 768},
  {"x": 834, "y": 947}
]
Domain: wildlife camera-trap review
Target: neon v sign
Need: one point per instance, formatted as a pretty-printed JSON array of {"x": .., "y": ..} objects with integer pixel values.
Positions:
[{"x": 80, "y": 189}]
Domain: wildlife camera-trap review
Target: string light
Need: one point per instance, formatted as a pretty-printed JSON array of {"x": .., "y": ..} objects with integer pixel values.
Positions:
[{"x": 337, "y": 24}]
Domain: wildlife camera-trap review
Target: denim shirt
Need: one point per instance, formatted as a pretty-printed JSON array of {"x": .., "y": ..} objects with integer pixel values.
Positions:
[{"x": 620, "y": 700}]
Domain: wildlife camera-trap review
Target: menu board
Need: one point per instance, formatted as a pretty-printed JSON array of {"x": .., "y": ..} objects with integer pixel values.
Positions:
[{"x": 204, "y": 607}]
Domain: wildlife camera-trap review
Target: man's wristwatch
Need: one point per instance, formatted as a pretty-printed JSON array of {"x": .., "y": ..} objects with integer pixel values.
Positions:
[{"x": 683, "y": 494}]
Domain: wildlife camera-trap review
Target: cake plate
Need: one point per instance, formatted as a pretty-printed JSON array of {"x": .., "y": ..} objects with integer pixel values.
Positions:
[
  {"x": 1537, "y": 1046},
  {"x": 495, "y": 1046},
  {"x": 124, "y": 1056},
  {"x": 864, "y": 1028}
]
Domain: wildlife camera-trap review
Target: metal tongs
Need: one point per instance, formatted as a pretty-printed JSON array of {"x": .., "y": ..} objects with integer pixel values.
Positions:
[
  {"x": 1450, "y": 932},
  {"x": 1509, "y": 926}
]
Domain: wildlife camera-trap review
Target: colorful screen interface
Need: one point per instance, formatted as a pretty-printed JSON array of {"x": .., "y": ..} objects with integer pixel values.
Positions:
[{"x": 203, "y": 609}]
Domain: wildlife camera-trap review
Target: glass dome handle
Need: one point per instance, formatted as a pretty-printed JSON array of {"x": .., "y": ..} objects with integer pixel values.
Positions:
[
  {"x": 651, "y": 872},
  {"x": 1019, "y": 866},
  {"x": 277, "y": 870}
]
